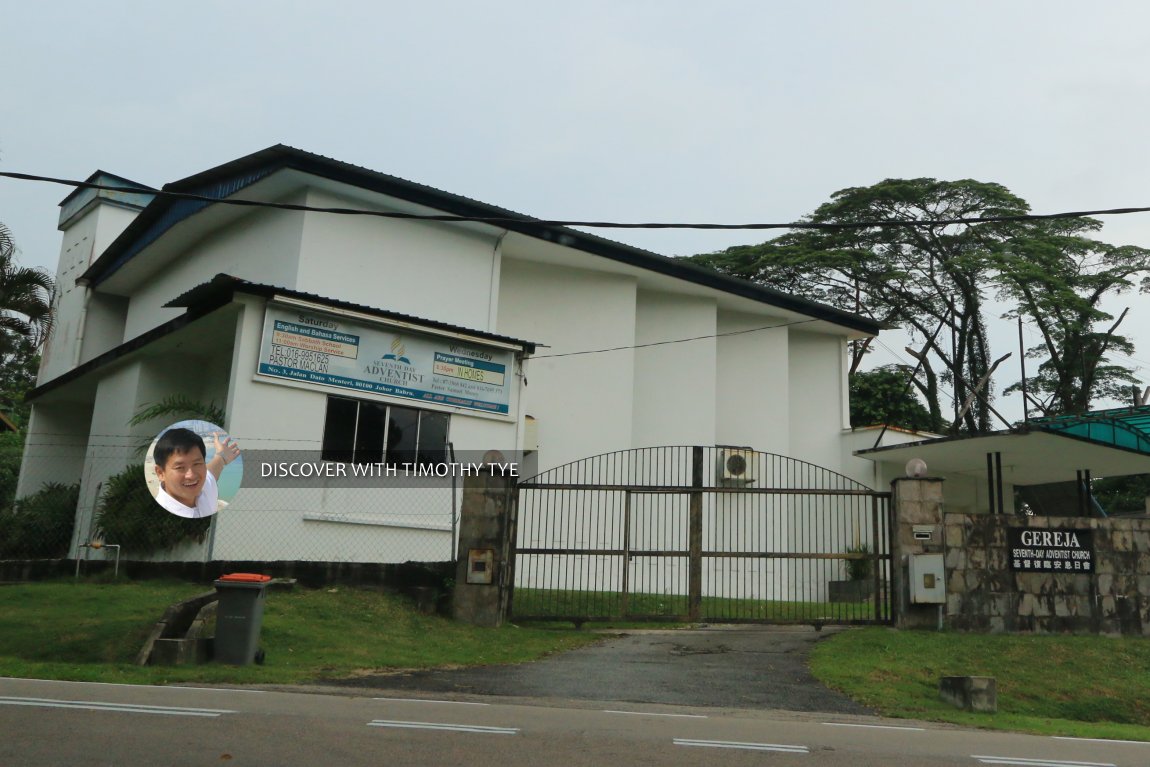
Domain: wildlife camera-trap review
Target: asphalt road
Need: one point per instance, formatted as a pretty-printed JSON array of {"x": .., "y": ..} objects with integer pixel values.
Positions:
[
  {"x": 44, "y": 724},
  {"x": 758, "y": 667}
]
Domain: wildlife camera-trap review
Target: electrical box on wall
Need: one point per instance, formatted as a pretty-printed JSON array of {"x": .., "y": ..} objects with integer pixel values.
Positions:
[
  {"x": 927, "y": 579},
  {"x": 480, "y": 566},
  {"x": 924, "y": 533}
]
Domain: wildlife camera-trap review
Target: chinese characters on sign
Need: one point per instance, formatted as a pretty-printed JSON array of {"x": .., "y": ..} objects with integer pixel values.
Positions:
[{"x": 1051, "y": 551}]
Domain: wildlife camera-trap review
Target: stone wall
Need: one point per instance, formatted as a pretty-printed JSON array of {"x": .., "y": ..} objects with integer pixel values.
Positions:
[
  {"x": 984, "y": 594},
  {"x": 918, "y": 507}
]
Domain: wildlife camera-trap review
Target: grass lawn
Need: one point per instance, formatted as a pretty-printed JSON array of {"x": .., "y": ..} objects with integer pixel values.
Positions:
[
  {"x": 1082, "y": 686},
  {"x": 1095, "y": 687},
  {"x": 93, "y": 631}
]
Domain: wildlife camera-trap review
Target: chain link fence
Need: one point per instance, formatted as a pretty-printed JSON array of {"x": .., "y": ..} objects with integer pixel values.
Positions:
[{"x": 89, "y": 498}]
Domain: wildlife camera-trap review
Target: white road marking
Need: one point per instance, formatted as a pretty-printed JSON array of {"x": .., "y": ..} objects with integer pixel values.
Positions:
[
  {"x": 648, "y": 713},
  {"x": 206, "y": 689},
  {"x": 122, "y": 684},
  {"x": 875, "y": 726},
  {"x": 127, "y": 708},
  {"x": 748, "y": 746},
  {"x": 1102, "y": 740},
  {"x": 444, "y": 726},
  {"x": 1024, "y": 762},
  {"x": 426, "y": 700}
]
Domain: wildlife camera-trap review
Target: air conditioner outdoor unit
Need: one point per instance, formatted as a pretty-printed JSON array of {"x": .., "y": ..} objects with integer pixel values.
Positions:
[{"x": 736, "y": 465}]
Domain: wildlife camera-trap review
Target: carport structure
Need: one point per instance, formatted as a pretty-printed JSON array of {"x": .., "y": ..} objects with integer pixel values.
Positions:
[{"x": 1050, "y": 461}]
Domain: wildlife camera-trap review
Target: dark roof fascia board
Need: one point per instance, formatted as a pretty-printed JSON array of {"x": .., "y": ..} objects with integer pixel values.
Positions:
[
  {"x": 220, "y": 289},
  {"x": 152, "y": 222},
  {"x": 164, "y": 213},
  {"x": 129, "y": 185},
  {"x": 934, "y": 441},
  {"x": 124, "y": 349}
]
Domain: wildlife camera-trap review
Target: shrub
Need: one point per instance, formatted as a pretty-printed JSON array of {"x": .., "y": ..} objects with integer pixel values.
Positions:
[
  {"x": 39, "y": 526},
  {"x": 858, "y": 569},
  {"x": 11, "y": 453},
  {"x": 129, "y": 516}
]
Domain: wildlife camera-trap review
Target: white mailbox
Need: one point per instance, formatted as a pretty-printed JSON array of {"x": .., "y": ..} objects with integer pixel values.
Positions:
[{"x": 927, "y": 579}]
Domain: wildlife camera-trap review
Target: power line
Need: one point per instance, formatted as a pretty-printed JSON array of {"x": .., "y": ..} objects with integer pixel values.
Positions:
[
  {"x": 564, "y": 222},
  {"x": 910, "y": 364},
  {"x": 673, "y": 341},
  {"x": 1036, "y": 336}
]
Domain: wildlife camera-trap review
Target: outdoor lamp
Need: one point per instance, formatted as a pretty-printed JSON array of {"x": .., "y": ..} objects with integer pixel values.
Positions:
[{"x": 916, "y": 467}]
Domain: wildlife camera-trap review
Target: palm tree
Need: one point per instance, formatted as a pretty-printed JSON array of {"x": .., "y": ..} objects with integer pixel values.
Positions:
[{"x": 25, "y": 297}]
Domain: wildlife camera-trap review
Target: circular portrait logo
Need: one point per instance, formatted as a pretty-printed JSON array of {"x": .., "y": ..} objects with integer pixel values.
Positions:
[{"x": 193, "y": 469}]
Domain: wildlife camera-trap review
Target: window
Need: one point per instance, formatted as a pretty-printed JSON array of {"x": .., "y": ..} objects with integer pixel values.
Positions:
[{"x": 371, "y": 432}]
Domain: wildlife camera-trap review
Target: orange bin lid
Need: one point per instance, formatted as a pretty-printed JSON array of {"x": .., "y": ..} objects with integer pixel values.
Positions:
[{"x": 245, "y": 578}]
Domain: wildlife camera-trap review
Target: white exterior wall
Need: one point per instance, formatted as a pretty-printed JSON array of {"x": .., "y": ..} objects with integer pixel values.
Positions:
[
  {"x": 390, "y": 521},
  {"x": 875, "y": 474},
  {"x": 966, "y": 494},
  {"x": 83, "y": 240},
  {"x": 776, "y": 390},
  {"x": 582, "y": 404},
  {"x": 674, "y": 384},
  {"x": 262, "y": 246},
  {"x": 817, "y": 369},
  {"x": 434, "y": 271},
  {"x": 55, "y": 446},
  {"x": 111, "y": 442},
  {"x": 752, "y": 392},
  {"x": 103, "y": 325}
]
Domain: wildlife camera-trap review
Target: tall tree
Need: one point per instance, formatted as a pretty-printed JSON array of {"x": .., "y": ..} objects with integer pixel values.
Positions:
[
  {"x": 920, "y": 277},
  {"x": 25, "y": 320},
  {"x": 935, "y": 278},
  {"x": 883, "y": 397},
  {"x": 25, "y": 298},
  {"x": 1057, "y": 278}
]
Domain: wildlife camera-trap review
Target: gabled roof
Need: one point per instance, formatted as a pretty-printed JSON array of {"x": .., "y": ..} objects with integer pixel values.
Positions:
[
  {"x": 229, "y": 178},
  {"x": 220, "y": 289},
  {"x": 103, "y": 177},
  {"x": 127, "y": 194}
]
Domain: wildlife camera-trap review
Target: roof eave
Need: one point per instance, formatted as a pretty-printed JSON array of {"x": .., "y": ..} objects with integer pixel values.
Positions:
[{"x": 281, "y": 156}]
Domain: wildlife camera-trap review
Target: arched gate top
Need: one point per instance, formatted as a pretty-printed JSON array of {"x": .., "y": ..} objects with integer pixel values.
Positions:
[{"x": 696, "y": 466}]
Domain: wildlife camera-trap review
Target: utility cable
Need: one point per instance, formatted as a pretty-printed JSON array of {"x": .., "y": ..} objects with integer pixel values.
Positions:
[
  {"x": 671, "y": 341},
  {"x": 511, "y": 219}
]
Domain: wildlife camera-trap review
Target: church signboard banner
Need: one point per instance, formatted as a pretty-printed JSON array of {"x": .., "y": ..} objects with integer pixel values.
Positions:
[
  {"x": 1051, "y": 551},
  {"x": 329, "y": 350}
]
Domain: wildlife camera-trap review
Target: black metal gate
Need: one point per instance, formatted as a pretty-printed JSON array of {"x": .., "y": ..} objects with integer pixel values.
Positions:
[{"x": 700, "y": 534}]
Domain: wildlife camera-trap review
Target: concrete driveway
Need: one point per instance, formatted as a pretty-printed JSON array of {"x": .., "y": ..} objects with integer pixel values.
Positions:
[{"x": 761, "y": 667}]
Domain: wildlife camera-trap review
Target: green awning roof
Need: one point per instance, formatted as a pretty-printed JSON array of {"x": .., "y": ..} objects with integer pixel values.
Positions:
[{"x": 1126, "y": 427}]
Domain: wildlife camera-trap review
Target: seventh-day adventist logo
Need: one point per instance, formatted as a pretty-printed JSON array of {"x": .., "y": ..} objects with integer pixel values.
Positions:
[
  {"x": 394, "y": 368},
  {"x": 398, "y": 351}
]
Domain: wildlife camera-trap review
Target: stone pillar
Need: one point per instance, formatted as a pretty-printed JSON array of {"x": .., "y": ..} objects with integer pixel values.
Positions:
[
  {"x": 918, "y": 529},
  {"x": 483, "y": 568}
]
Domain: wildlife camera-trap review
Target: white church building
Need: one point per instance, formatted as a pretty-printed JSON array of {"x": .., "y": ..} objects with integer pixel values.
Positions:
[{"x": 335, "y": 333}]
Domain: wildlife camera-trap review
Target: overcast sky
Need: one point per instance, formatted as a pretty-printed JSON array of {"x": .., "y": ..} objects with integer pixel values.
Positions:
[{"x": 627, "y": 111}]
